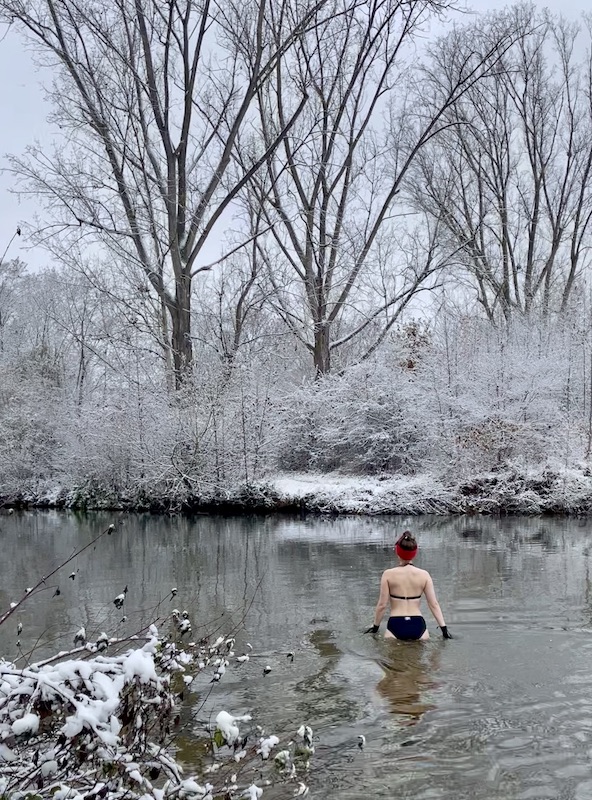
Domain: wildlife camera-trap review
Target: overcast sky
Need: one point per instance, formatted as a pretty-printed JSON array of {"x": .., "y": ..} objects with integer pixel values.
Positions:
[{"x": 24, "y": 115}]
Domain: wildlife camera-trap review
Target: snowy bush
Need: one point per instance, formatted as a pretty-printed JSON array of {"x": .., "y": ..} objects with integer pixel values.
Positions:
[
  {"x": 360, "y": 422},
  {"x": 88, "y": 724},
  {"x": 490, "y": 397},
  {"x": 471, "y": 399},
  {"x": 99, "y": 721}
]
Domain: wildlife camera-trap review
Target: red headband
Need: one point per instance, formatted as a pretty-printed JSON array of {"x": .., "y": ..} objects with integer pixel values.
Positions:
[{"x": 406, "y": 555}]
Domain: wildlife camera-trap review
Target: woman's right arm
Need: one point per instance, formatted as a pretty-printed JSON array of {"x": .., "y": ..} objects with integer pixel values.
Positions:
[{"x": 434, "y": 605}]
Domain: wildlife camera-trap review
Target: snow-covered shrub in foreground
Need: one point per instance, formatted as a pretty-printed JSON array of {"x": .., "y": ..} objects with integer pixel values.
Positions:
[
  {"x": 99, "y": 721},
  {"x": 86, "y": 724}
]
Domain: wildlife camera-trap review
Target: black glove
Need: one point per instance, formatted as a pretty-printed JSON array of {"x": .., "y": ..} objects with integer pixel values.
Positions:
[
  {"x": 445, "y": 633},
  {"x": 373, "y": 629}
]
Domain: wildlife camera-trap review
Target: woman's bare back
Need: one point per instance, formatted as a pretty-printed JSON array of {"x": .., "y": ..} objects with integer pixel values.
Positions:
[{"x": 407, "y": 581}]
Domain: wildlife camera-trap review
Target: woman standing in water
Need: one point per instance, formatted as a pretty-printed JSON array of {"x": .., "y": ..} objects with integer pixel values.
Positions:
[{"x": 404, "y": 585}]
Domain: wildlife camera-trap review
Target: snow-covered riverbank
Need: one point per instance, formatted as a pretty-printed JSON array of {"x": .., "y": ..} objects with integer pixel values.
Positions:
[{"x": 507, "y": 491}]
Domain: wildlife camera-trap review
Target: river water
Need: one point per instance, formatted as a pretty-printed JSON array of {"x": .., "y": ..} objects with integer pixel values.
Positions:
[{"x": 504, "y": 709}]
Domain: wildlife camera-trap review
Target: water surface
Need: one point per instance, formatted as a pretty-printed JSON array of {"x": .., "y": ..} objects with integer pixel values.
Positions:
[{"x": 504, "y": 710}]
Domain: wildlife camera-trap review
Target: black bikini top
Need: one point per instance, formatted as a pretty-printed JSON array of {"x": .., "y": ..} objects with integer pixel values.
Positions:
[{"x": 400, "y": 597}]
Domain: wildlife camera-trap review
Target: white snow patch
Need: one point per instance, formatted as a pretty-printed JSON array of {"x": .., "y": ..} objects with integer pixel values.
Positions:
[
  {"x": 29, "y": 723},
  {"x": 139, "y": 664},
  {"x": 253, "y": 792},
  {"x": 227, "y": 725},
  {"x": 6, "y": 754},
  {"x": 49, "y": 768},
  {"x": 267, "y": 745},
  {"x": 191, "y": 790}
]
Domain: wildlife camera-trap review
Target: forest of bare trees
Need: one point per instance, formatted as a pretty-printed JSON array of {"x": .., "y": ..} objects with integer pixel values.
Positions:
[{"x": 307, "y": 237}]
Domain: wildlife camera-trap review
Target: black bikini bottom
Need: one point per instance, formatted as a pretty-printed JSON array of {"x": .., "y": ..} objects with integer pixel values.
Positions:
[{"x": 407, "y": 628}]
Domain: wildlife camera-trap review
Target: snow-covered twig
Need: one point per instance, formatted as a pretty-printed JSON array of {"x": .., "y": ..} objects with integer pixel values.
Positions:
[{"x": 42, "y": 582}]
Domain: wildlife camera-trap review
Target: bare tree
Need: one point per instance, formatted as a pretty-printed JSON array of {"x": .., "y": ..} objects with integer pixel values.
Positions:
[
  {"x": 511, "y": 177},
  {"x": 152, "y": 97},
  {"x": 229, "y": 314},
  {"x": 330, "y": 189}
]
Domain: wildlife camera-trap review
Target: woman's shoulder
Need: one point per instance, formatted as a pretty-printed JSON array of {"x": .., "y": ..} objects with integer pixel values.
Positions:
[{"x": 423, "y": 572}]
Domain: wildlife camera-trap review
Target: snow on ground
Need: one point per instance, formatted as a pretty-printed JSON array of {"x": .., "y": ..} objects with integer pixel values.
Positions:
[
  {"x": 363, "y": 494},
  {"x": 549, "y": 488}
]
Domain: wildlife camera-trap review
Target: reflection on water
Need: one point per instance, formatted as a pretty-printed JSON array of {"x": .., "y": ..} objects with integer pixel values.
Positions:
[
  {"x": 503, "y": 710},
  {"x": 409, "y": 670}
]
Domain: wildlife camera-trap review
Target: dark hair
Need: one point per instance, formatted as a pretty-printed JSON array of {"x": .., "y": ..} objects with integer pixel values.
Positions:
[{"x": 407, "y": 541}]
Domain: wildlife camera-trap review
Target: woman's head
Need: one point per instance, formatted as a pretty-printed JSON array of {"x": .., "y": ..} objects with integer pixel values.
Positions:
[{"x": 406, "y": 546}]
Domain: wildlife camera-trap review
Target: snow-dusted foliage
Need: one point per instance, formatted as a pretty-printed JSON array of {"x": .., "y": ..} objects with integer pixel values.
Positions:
[
  {"x": 489, "y": 397},
  {"x": 458, "y": 399},
  {"x": 88, "y": 724},
  {"x": 88, "y": 721},
  {"x": 448, "y": 402},
  {"x": 101, "y": 719}
]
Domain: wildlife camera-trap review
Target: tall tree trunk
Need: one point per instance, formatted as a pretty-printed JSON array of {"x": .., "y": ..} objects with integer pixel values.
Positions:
[
  {"x": 322, "y": 351},
  {"x": 182, "y": 347}
]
